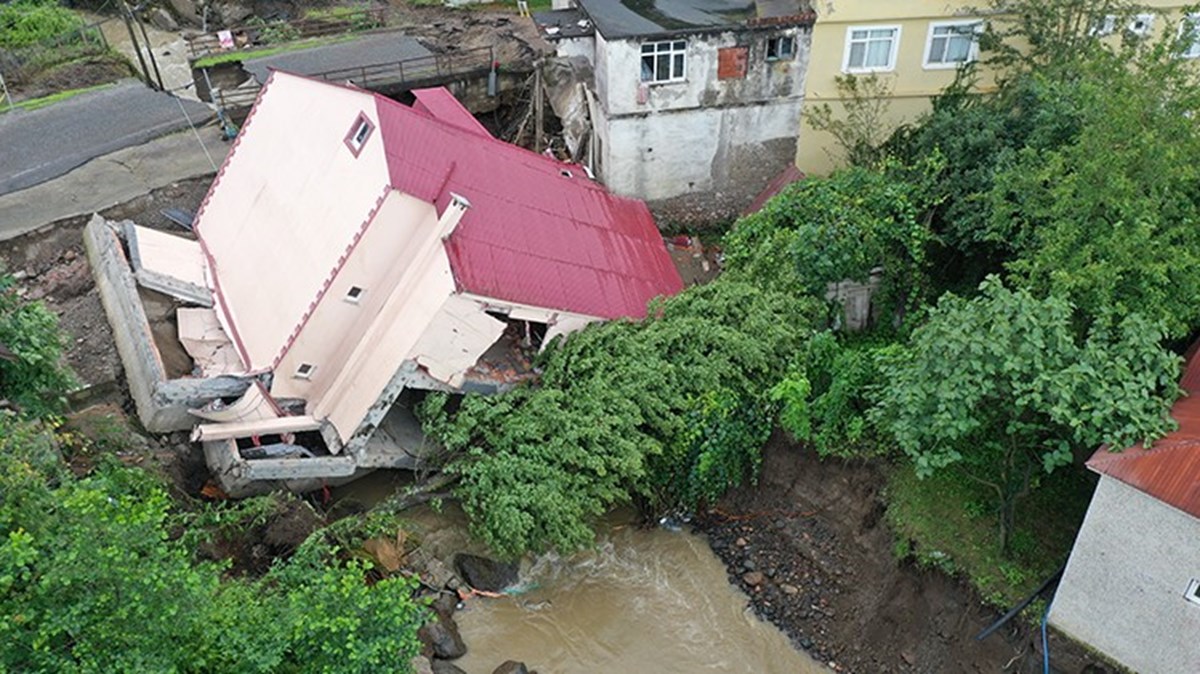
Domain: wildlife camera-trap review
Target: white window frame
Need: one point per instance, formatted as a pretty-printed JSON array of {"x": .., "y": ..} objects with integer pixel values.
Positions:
[
  {"x": 304, "y": 371},
  {"x": 674, "y": 48},
  {"x": 1190, "y": 24},
  {"x": 1192, "y": 593},
  {"x": 779, "y": 40},
  {"x": 352, "y": 296},
  {"x": 1147, "y": 21},
  {"x": 972, "y": 53},
  {"x": 846, "y": 68},
  {"x": 1107, "y": 26}
]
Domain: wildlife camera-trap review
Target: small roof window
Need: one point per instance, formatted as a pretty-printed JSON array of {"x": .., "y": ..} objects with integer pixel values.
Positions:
[
  {"x": 359, "y": 134},
  {"x": 354, "y": 294},
  {"x": 305, "y": 371}
]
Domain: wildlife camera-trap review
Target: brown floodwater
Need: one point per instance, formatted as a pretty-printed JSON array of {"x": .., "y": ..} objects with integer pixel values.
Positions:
[{"x": 643, "y": 601}]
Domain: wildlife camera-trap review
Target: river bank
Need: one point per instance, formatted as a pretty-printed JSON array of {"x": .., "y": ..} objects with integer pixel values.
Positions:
[{"x": 810, "y": 547}]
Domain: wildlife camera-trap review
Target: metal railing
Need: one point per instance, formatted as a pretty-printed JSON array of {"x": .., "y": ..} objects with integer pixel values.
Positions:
[
  {"x": 432, "y": 68},
  {"x": 261, "y": 34}
]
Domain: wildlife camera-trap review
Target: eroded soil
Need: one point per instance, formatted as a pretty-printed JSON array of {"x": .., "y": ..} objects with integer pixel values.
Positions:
[{"x": 810, "y": 546}]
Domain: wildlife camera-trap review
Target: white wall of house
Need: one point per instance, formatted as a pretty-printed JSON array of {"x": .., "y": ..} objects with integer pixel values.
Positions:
[
  {"x": 270, "y": 223},
  {"x": 701, "y": 134},
  {"x": 1123, "y": 590},
  {"x": 376, "y": 354},
  {"x": 376, "y": 265}
]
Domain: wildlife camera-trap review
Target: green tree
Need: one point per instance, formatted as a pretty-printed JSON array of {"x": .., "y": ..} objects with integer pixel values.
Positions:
[
  {"x": 1109, "y": 220},
  {"x": 825, "y": 230},
  {"x": 36, "y": 378},
  {"x": 615, "y": 418},
  {"x": 999, "y": 389},
  {"x": 92, "y": 579}
]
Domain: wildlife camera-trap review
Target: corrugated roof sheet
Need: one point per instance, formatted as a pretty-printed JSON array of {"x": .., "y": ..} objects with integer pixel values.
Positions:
[
  {"x": 538, "y": 231},
  {"x": 1169, "y": 470},
  {"x": 441, "y": 104}
]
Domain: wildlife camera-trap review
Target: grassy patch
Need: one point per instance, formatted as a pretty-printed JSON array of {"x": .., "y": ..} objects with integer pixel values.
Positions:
[
  {"x": 247, "y": 54},
  {"x": 35, "y": 103},
  {"x": 946, "y": 522},
  {"x": 506, "y": 6}
]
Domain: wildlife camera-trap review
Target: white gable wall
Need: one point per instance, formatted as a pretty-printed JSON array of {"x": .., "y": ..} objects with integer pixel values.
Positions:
[
  {"x": 286, "y": 206},
  {"x": 401, "y": 227},
  {"x": 1123, "y": 590}
]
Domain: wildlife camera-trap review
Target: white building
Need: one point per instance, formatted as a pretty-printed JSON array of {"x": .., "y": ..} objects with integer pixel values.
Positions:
[
  {"x": 692, "y": 98},
  {"x": 352, "y": 248}
]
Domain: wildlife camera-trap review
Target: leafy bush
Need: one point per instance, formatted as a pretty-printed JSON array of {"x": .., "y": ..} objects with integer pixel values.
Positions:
[
  {"x": 825, "y": 230},
  {"x": 668, "y": 412},
  {"x": 831, "y": 388},
  {"x": 27, "y": 22},
  {"x": 37, "y": 380},
  {"x": 91, "y": 580}
]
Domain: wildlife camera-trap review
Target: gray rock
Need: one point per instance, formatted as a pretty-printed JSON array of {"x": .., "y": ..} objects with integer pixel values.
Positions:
[
  {"x": 162, "y": 19},
  {"x": 421, "y": 665},
  {"x": 437, "y": 574},
  {"x": 512, "y": 667},
  {"x": 186, "y": 10},
  {"x": 753, "y": 578},
  {"x": 485, "y": 574},
  {"x": 233, "y": 13},
  {"x": 443, "y": 667},
  {"x": 442, "y": 637}
]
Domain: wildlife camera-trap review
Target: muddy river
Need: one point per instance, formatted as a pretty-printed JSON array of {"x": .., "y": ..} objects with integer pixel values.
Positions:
[
  {"x": 170, "y": 51},
  {"x": 643, "y": 601}
]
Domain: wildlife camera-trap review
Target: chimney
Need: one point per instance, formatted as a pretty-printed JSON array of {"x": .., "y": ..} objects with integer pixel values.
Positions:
[{"x": 454, "y": 212}]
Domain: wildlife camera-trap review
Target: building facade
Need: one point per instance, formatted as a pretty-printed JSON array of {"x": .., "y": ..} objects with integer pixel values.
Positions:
[
  {"x": 914, "y": 49},
  {"x": 689, "y": 99}
]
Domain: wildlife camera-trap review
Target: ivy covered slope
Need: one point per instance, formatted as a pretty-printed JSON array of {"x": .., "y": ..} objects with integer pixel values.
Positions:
[{"x": 666, "y": 413}]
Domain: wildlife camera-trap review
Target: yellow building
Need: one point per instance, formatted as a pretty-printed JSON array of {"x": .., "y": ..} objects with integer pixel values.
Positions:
[{"x": 914, "y": 48}]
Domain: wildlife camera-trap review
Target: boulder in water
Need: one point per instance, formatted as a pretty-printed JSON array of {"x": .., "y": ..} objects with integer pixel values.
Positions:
[
  {"x": 442, "y": 637},
  {"x": 421, "y": 665},
  {"x": 443, "y": 667},
  {"x": 512, "y": 667},
  {"x": 485, "y": 574}
]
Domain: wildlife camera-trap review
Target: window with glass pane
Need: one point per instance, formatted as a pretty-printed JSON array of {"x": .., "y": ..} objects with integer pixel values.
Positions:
[
  {"x": 780, "y": 48},
  {"x": 953, "y": 43},
  {"x": 871, "y": 48},
  {"x": 1190, "y": 30},
  {"x": 663, "y": 61}
]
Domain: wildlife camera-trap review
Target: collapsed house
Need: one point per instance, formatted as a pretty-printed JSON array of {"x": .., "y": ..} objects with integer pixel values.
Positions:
[
  {"x": 350, "y": 250},
  {"x": 680, "y": 98}
]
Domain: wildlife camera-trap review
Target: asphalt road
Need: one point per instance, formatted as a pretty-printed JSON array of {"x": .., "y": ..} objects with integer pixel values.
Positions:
[
  {"x": 38, "y": 145},
  {"x": 369, "y": 50}
]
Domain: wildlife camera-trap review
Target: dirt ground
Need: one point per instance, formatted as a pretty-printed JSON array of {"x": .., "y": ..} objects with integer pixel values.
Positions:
[
  {"x": 810, "y": 546},
  {"x": 50, "y": 265}
]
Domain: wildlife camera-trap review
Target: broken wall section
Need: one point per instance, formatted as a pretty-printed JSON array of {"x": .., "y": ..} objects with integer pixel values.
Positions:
[{"x": 162, "y": 403}]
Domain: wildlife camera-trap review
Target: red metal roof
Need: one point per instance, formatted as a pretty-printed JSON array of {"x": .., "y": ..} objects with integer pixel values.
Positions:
[
  {"x": 441, "y": 104},
  {"x": 538, "y": 232},
  {"x": 788, "y": 176},
  {"x": 1169, "y": 470}
]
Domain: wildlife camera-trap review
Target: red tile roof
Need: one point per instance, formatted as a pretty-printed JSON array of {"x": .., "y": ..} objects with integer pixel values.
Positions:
[
  {"x": 538, "y": 232},
  {"x": 1170, "y": 469},
  {"x": 788, "y": 176}
]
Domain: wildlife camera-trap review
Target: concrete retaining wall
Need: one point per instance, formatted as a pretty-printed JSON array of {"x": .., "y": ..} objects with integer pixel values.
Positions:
[{"x": 162, "y": 404}]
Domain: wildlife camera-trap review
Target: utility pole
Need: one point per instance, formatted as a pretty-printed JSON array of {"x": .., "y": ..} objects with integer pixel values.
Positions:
[
  {"x": 150, "y": 51},
  {"x": 537, "y": 106},
  {"x": 4, "y": 92},
  {"x": 125, "y": 15}
]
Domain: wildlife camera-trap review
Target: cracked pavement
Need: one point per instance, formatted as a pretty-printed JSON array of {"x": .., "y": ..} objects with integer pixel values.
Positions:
[{"x": 45, "y": 143}]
